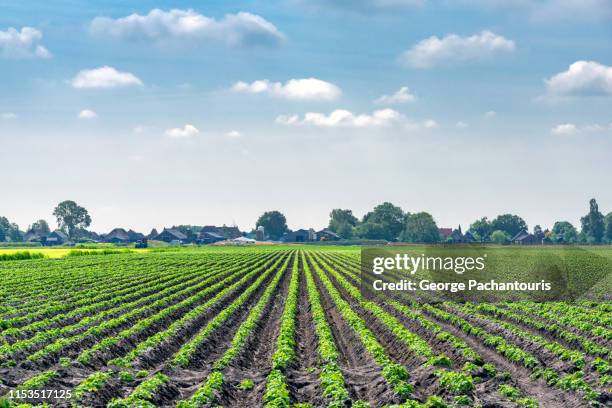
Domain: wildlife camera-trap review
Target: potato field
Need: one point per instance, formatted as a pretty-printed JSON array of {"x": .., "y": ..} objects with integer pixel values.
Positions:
[{"x": 280, "y": 326}]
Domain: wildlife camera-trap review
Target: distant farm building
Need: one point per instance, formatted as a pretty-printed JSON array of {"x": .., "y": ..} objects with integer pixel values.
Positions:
[
  {"x": 172, "y": 235},
  {"x": 444, "y": 233},
  {"x": 525, "y": 238},
  {"x": 57, "y": 237},
  {"x": 301, "y": 235},
  {"x": 33, "y": 236},
  {"x": 224, "y": 231},
  {"x": 117, "y": 236},
  {"x": 153, "y": 234},
  {"x": 328, "y": 235},
  {"x": 209, "y": 237},
  {"x": 260, "y": 233}
]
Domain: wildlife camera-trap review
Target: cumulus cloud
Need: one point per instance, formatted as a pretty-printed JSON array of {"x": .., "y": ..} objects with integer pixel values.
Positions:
[
  {"x": 430, "y": 124},
  {"x": 240, "y": 30},
  {"x": 22, "y": 44},
  {"x": 104, "y": 77},
  {"x": 402, "y": 95},
  {"x": 461, "y": 125},
  {"x": 565, "y": 129},
  {"x": 181, "y": 133},
  {"x": 233, "y": 134},
  {"x": 453, "y": 48},
  {"x": 581, "y": 78},
  {"x": 342, "y": 118},
  {"x": 8, "y": 116},
  {"x": 572, "y": 129},
  {"x": 296, "y": 89},
  {"x": 87, "y": 114}
]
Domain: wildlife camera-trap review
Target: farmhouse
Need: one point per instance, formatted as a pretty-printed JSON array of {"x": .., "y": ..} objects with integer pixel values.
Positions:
[
  {"x": 224, "y": 231},
  {"x": 524, "y": 238},
  {"x": 153, "y": 234},
  {"x": 117, "y": 236},
  {"x": 172, "y": 235},
  {"x": 301, "y": 235},
  {"x": 444, "y": 233},
  {"x": 209, "y": 238},
  {"x": 33, "y": 236},
  {"x": 328, "y": 235},
  {"x": 57, "y": 237}
]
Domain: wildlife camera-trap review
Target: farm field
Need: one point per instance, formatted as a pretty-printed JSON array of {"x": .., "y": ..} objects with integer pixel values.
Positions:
[{"x": 281, "y": 326}]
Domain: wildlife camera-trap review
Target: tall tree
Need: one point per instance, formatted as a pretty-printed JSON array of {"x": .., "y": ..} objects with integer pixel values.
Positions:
[
  {"x": 566, "y": 231},
  {"x": 509, "y": 223},
  {"x": 40, "y": 226},
  {"x": 274, "y": 223},
  {"x": 608, "y": 222},
  {"x": 593, "y": 223},
  {"x": 70, "y": 217},
  {"x": 9, "y": 230},
  {"x": 342, "y": 222},
  {"x": 390, "y": 217},
  {"x": 420, "y": 227},
  {"x": 538, "y": 233},
  {"x": 481, "y": 228}
]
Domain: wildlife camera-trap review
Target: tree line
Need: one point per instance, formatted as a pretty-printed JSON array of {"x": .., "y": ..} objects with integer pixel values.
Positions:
[
  {"x": 389, "y": 222},
  {"x": 386, "y": 222}
]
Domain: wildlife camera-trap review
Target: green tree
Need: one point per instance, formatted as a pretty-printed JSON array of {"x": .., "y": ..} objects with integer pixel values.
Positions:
[
  {"x": 70, "y": 217},
  {"x": 9, "y": 230},
  {"x": 608, "y": 222},
  {"x": 390, "y": 217},
  {"x": 371, "y": 230},
  {"x": 342, "y": 222},
  {"x": 40, "y": 226},
  {"x": 345, "y": 230},
  {"x": 274, "y": 223},
  {"x": 509, "y": 223},
  {"x": 500, "y": 237},
  {"x": 593, "y": 223},
  {"x": 566, "y": 231},
  {"x": 481, "y": 228},
  {"x": 420, "y": 227},
  {"x": 538, "y": 233}
]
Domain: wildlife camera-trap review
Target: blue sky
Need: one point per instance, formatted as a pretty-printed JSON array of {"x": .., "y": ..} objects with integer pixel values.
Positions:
[{"x": 155, "y": 113}]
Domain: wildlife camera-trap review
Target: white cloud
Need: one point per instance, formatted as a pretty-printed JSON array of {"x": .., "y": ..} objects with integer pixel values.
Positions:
[
  {"x": 22, "y": 44},
  {"x": 8, "y": 116},
  {"x": 430, "y": 124},
  {"x": 138, "y": 129},
  {"x": 581, "y": 78},
  {"x": 296, "y": 89},
  {"x": 490, "y": 114},
  {"x": 342, "y": 118},
  {"x": 572, "y": 129},
  {"x": 136, "y": 158},
  {"x": 241, "y": 29},
  {"x": 104, "y": 77},
  {"x": 87, "y": 114},
  {"x": 233, "y": 134},
  {"x": 185, "y": 132},
  {"x": 454, "y": 48},
  {"x": 402, "y": 95},
  {"x": 461, "y": 125},
  {"x": 565, "y": 129}
]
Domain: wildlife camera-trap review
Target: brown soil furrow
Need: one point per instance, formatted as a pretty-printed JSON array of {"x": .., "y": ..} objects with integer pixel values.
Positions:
[
  {"x": 547, "y": 396},
  {"x": 363, "y": 376},
  {"x": 254, "y": 361},
  {"x": 303, "y": 375}
]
